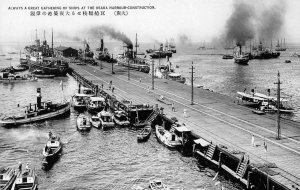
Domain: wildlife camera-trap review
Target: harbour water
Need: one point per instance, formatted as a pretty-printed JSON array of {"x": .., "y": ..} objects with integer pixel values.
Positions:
[{"x": 113, "y": 159}]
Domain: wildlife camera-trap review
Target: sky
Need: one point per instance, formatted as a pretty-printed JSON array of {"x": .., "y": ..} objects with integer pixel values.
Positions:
[{"x": 196, "y": 20}]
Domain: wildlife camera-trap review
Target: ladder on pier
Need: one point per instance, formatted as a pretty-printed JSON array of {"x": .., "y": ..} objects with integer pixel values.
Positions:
[
  {"x": 211, "y": 150},
  {"x": 151, "y": 117},
  {"x": 242, "y": 167}
]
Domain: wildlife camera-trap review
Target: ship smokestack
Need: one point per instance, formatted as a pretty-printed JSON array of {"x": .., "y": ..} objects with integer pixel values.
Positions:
[
  {"x": 102, "y": 45},
  {"x": 38, "y": 98}
]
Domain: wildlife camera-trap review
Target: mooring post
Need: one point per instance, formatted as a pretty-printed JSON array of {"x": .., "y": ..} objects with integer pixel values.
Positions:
[
  {"x": 152, "y": 74},
  {"x": 249, "y": 180},
  {"x": 220, "y": 161}
]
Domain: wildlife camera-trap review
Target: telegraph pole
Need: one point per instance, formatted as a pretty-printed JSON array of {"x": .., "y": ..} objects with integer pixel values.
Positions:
[
  {"x": 278, "y": 107},
  {"x": 152, "y": 74},
  {"x": 112, "y": 64},
  {"x": 128, "y": 68},
  {"x": 192, "y": 84}
]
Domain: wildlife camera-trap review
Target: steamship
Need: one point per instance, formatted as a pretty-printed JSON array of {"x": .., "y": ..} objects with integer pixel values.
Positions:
[
  {"x": 161, "y": 53},
  {"x": 240, "y": 58},
  {"x": 103, "y": 54},
  {"x": 263, "y": 53},
  {"x": 41, "y": 59},
  {"x": 37, "y": 112}
]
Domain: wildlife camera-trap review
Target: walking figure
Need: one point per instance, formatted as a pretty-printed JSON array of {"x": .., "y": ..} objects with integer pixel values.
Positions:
[
  {"x": 184, "y": 113},
  {"x": 20, "y": 166},
  {"x": 140, "y": 79},
  {"x": 113, "y": 89},
  {"x": 252, "y": 141},
  {"x": 173, "y": 107},
  {"x": 102, "y": 86}
]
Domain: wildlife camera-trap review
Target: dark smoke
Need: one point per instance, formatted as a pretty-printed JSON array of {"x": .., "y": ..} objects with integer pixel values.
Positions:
[
  {"x": 271, "y": 21},
  {"x": 250, "y": 20},
  {"x": 184, "y": 39},
  {"x": 64, "y": 36},
  {"x": 240, "y": 27},
  {"x": 110, "y": 31}
]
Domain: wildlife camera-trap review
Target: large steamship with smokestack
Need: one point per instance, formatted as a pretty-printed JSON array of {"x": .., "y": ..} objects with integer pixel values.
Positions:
[
  {"x": 41, "y": 59},
  {"x": 103, "y": 53},
  {"x": 240, "y": 57}
]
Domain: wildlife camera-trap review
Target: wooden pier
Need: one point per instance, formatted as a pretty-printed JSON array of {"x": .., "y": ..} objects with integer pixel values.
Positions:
[{"x": 218, "y": 119}]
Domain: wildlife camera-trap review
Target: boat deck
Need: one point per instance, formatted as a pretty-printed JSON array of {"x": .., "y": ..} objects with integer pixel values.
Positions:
[{"x": 216, "y": 117}]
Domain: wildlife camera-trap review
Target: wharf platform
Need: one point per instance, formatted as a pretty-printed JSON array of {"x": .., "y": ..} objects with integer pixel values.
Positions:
[{"x": 218, "y": 118}]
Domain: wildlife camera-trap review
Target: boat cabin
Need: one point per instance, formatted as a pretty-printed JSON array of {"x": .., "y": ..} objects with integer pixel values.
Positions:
[
  {"x": 5, "y": 176},
  {"x": 25, "y": 179},
  {"x": 96, "y": 102}
]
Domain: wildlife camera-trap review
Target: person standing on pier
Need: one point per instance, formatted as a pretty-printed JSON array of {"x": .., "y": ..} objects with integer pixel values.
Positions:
[
  {"x": 112, "y": 88},
  {"x": 252, "y": 141},
  {"x": 173, "y": 107}
]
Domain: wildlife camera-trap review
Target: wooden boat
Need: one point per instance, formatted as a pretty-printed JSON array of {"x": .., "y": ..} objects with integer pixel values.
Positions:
[
  {"x": 83, "y": 123},
  {"x": 41, "y": 112},
  {"x": 52, "y": 149},
  {"x": 95, "y": 121},
  {"x": 7, "y": 178},
  {"x": 249, "y": 99},
  {"x": 26, "y": 180},
  {"x": 79, "y": 101},
  {"x": 13, "y": 78},
  {"x": 120, "y": 118},
  {"x": 176, "y": 77},
  {"x": 157, "y": 185},
  {"x": 96, "y": 104},
  {"x": 144, "y": 134},
  {"x": 167, "y": 138},
  {"x": 106, "y": 120}
]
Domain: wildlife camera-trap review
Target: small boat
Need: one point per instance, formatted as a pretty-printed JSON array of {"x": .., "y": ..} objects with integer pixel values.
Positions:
[
  {"x": 120, "y": 118},
  {"x": 7, "y": 178},
  {"x": 44, "y": 76},
  {"x": 42, "y": 111},
  {"x": 176, "y": 77},
  {"x": 95, "y": 121},
  {"x": 26, "y": 180},
  {"x": 14, "y": 78},
  {"x": 96, "y": 104},
  {"x": 241, "y": 60},
  {"x": 227, "y": 56},
  {"x": 83, "y": 123},
  {"x": 287, "y": 61},
  {"x": 9, "y": 58},
  {"x": 167, "y": 138},
  {"x": 52, "y": 149},
  {"x": 144, "y": 134},
  {"x": 106, "y": 120},
  {"x": 157, "y": 185},
  {"x": 79, "y": 101}
]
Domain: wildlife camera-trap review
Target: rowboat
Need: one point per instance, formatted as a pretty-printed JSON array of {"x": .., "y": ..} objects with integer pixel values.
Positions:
[
  {"x": 144, "y": 134},
  {"x": 167, "y": 138},
  {"x": 95, "y": 121},
  {"x": 52, "y": 149},
  {"x": 120, "y": 118},
  {"x": 83, "y": 123},
  {"x": 106, "y": 120},
  {"x": 26, "y": 180},
  {"x": 157, "y": 185},
  {"x": 7, "y": 178},
  {"x": 41, "y": 112}
]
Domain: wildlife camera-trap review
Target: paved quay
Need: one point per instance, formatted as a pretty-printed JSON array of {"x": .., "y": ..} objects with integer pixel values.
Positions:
[{"x": 217, "y": 118}]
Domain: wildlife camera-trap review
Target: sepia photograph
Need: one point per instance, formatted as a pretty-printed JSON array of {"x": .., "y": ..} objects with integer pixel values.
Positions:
[{"x": 149, "y": 95}]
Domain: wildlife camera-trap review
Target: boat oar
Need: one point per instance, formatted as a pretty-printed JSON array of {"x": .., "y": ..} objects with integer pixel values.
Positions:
[{"x": 215, "y": 176}]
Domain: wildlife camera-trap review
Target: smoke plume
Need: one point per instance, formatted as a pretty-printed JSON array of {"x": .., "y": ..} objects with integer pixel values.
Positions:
[
  {"x": 252, "y": 19},
  {"x": 184, "y": 39},
  {"x": 64, "y": 36},
  {"x": 271, "y": 21},
  {"x": 112, "y": 32},
  {"x": 240, "y": 25}
]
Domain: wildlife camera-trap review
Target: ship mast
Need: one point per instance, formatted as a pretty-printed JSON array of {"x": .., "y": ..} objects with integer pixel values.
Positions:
[{"x": 52, "y": 44}]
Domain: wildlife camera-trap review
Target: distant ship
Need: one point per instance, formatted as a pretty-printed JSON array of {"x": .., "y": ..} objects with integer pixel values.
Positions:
[
  {"x": 102, "y": 53},
  {"x": 161, "y": 53},
  {"x": 41, "y": 57},
  {"x": 280, "y": 47},
  {"x": 263, "y": 53},
  {"x": 240, "y": 58}
]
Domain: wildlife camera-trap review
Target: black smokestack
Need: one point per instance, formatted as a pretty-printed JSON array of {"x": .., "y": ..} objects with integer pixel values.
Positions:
[
  {"x": 239, "y": 27},
  {"x": 110, "y": 31},
  {"x": 272, "y": 20}
]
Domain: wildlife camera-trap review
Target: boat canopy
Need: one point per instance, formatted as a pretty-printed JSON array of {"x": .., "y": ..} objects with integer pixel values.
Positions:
[
  {"x": 182, "y": 129},
  {"x": 80, "y": 95},
  {"x": 270, "y": 97},
  {"x": 97, "y": 99},
  {"x": 174, "y": 75},
  {"x": 250, "y": 96},
  {"x": 202, "y": 142}
]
